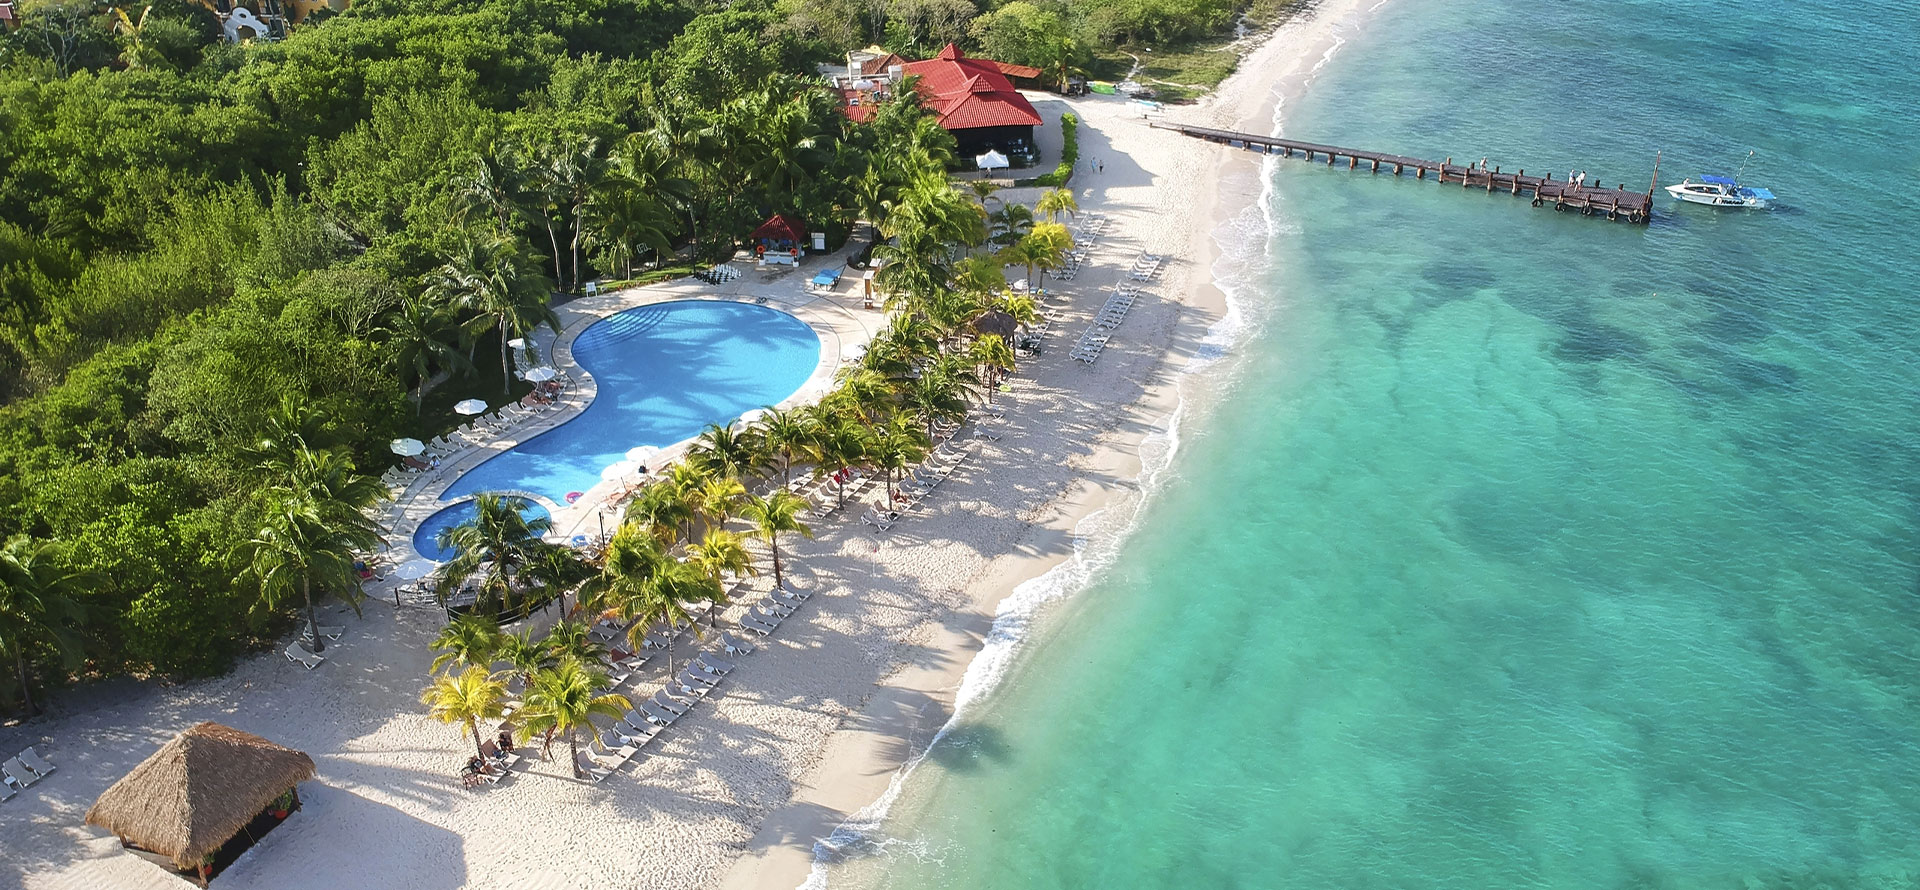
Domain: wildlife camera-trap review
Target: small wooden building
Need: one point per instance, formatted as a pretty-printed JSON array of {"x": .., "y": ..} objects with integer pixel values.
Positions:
[{"x": 182, "y": 805}]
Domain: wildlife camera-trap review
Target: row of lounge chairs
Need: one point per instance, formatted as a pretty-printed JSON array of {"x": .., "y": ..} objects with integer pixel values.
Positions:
[
  {"x": 918, "y": 485},
  {"x": 1092, "y": 227},
  {"x": 1147, "y": 266},
  {"x": 720, "y": 274},
  {"x": 21, "y": 771},
  {"x": 615, "y": 746},
  {"x": 1098, "y": 334},
  {"x": 480, "y": 431},
  {"x": 1071, "y": 267}
]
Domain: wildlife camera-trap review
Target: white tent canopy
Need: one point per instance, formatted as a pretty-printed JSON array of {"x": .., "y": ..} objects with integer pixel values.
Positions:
[{"x": 992, "y": 160}]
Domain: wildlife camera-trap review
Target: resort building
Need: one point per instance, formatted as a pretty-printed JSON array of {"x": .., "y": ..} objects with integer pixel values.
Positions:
[
  {"x": 974, "y": 99},
  {"x": 9, "y": 16}
]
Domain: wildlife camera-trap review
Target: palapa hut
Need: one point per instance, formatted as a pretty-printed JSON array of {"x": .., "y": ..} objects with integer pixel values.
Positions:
[
  {"x": 198, "y": 792},
  {"x": 994, "y": 321}
]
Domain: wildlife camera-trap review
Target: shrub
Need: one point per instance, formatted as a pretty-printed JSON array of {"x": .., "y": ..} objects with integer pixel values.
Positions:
[{"x": 1069, "y": 156}]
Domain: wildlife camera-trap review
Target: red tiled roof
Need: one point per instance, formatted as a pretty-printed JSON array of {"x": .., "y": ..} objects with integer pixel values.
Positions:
[
  {"x": 970, "y": 93},
  {"x": 6, "y": 11},
  {"x": 861, "y": 113},
  {"x": 780, "y": 226}
]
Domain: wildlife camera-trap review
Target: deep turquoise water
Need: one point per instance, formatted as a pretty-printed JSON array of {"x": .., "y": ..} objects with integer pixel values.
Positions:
[
  {"x": 1524, "y": 550},
  {"x": 663, "y": 372}
]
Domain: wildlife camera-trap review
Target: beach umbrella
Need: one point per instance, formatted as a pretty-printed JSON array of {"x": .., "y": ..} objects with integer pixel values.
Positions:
[
  {"x": 753, "y": 415},
  {"x": 415, "y": 569},
  {"x": 407, "y": 447},
  {"x": 470, "y": 406},
  {"x": 619, "y": 469},
  {"x": 991, "y": 161},
  {"x": 540, "y": 375},
  {"x": 641, "y": 454},
  {"x": 517, "y": 343}
]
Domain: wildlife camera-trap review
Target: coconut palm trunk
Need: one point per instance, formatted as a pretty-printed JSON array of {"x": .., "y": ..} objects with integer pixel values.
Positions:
[
  {"x": 506, "y": 375},
  {"x": 20, "y": 665},
  {"x": 313, "y": 624},
  {"x": 773, "y": 543},
  {"x": 473, "y": 726}
]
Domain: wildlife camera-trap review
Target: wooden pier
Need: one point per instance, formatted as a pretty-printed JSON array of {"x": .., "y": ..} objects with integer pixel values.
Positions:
[{"x": 1589, "y": 200}]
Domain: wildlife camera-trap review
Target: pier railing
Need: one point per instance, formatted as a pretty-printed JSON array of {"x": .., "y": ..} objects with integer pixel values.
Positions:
[{"x": 1589, "y": 200}]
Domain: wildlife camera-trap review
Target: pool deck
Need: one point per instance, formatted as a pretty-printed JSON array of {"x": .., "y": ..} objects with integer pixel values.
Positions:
[{"x": 836, "y": 314}]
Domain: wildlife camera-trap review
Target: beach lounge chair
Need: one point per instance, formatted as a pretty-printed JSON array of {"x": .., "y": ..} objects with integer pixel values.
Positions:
[
  {"x": 299, "y": 655},
  {"x": 734, "y": 645},
  {"x": 638, "y": 724},
  {"x": 657, "y": 715},
  {"x": 758, "y": 625},
  {"x": 18, "y": 772},
  {"x": 771, "y": 606},
  {"x": 694, "y": 673},
  {"x": 330, "y": 631},
  {"x": 668, "y": 703},
  {"x": 715, "y": 663},
  {"x": 7, "y": 789},
  {"x": 34, "y": 762},
  {"x": 616, "y": 736}
]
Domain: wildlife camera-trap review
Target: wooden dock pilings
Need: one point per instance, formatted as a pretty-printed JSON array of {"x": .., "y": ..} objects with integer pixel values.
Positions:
[{"x": 1594, "y": 200}]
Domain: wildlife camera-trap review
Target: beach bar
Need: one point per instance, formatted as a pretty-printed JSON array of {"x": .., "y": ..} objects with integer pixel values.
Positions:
[
  {"x": 201, "y": 799},
  {"x": 1571, "y": 194}
]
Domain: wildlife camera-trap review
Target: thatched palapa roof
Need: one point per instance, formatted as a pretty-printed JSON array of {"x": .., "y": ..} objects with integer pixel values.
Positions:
[
  {"x": 198, "y": 791},
  {"x": 994, "y": 321}
]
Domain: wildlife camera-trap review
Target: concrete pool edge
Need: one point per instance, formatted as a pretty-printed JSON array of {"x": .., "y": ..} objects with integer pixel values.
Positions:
[{"x": 833, "y": 316}]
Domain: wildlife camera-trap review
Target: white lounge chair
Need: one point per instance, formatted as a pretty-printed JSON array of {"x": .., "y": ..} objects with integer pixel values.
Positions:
[
  {"x": 34, "y": 762},
  {"x": 299, "y": 655},
  {"x": 330, "y": 631},
  {"x": 18, "y": 772}
]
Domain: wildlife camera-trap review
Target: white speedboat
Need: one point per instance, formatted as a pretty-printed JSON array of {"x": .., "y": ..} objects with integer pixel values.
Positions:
[{"x": 1720, "y": 191}]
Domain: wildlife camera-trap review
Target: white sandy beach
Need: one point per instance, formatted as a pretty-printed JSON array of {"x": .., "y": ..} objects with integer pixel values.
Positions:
[{"x": 806, "y": 731}]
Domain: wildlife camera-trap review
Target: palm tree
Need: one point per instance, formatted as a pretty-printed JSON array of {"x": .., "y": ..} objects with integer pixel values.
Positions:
[
  {"x": 717, "y": 499},
  {"x": 1045, "y": 248},
  {"x": 992, "y": 353},
  {"x": 557, "y": 570},
  {"x": 1056, "y": 202},
  {"x": 772, "y": 516},
  {"x": 564, "y": 698},
  {"x": 1011, "y": 223},
  {"x": 493, "y": 188},
  {"x": 982, "y": 190},
  {"x": 573, "y": 640},
  {"x": 633, "y": 558},
  {"x": 470, "y": 640},
  {"x": 937, "y": 394},
  {"x": 139, "y": 52},
  {"x": 843, "y": 443},
  {"x": 35, "y": 608},
  {"x": 789, "y": 434},
  {"x": 315, "y": 524},
  {"x": 718, "y": 554},
  {"x": 484, "y": 277},
  {"x": 422, "y": 336},
  {"x": 523, "y": 652},
  {"x": 466, "y": 698},
  {"x": 726, "y": 451},
  {"x": 900, "y": 445},
  {"x": 1023, "y": 308},
  {"x": 660, "y": 510},
  {"x": 979, "y": 274},
  {"x": 499, "y": 539}
]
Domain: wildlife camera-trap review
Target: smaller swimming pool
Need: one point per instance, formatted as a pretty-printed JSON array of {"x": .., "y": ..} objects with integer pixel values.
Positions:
[{"x": 430, "y": 529}]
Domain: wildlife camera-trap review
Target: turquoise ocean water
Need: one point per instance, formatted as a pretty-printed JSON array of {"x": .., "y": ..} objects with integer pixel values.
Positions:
[{"x": 1523, "y": 550}]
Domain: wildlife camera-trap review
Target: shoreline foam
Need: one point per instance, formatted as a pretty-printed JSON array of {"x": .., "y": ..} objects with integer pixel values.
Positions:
[{"x": 1236, "y": 254}]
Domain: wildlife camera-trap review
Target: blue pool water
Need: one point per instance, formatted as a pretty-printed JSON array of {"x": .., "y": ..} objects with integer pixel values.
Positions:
[
  {"x": 664, "y": 372},
  {"x": 448, "y": 517}
]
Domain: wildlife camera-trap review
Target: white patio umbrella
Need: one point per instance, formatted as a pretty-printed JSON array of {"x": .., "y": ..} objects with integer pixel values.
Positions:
[
  {"x": 407, "y": 447},
  {"x": 619, "y": 470},
  {"x": 415, "y": 569},
  {"x": 640, "y": 454},
  {"x": 470, "y": 406},
  {"x": 517, "y": 343},
  {"x": 541, "y": 374},
  {"x": 991, "y": 161}
]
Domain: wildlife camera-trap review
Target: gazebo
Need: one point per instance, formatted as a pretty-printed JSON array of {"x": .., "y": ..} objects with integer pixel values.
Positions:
[
  {"x": 780, "y": 239},
  {"x": 200, "y": 791}
]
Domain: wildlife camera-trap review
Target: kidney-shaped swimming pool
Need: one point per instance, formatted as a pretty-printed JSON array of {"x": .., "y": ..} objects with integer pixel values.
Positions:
[{"x": 663, "y": 373}]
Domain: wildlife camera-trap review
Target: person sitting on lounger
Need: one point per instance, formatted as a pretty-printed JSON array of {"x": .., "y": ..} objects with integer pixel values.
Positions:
[
  {"x": 476, "y": 765},
  {"x": 506, "y": 742}
]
